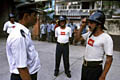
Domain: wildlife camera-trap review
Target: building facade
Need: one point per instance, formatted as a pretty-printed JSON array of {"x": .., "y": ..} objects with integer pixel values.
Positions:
[{"x": 77, "y": 8}]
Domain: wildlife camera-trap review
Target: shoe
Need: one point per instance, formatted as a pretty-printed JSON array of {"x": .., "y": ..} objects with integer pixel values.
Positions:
[
  {"x": 68, "y": 74},
  {"x": 56, "y": 73}
]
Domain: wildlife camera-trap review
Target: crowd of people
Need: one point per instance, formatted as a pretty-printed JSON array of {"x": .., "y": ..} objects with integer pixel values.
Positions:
[{"x": 23, "y": 58}]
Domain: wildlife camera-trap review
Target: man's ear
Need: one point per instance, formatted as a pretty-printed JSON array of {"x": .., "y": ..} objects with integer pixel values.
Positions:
[
  {"x": 99, "y": 26},
  {"x": 26, "y": 15}
]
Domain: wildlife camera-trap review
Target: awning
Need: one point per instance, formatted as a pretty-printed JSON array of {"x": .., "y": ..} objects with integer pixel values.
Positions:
[
  {"x": 51, "y": 15},
  {"x": 48, "y": 10}
]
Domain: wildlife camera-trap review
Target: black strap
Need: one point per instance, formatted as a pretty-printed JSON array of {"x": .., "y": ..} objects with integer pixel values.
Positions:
[{"x": 93, "y": 31}]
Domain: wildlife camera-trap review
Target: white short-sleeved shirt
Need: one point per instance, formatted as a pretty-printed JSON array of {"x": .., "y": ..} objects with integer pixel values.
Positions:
[
  {"x": 43, "y": 28},
  {"x": 8, "y": 26},
  {"x": 97, "y": 46},
  {"x": 63, "y": 34},
  {"x": 21, "y": 51},
  {"x": 52, "y": 27}
]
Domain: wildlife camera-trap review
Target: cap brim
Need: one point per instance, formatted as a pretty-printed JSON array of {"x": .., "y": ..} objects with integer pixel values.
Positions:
[{"x": 27, "y": 6}]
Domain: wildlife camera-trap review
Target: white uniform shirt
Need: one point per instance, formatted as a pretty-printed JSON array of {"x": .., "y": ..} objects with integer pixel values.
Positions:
[
  {"x": 49, "y": 27},
  {"x": 53, "y": 27},
  {"x": 43, "y": 28},
  {"x": 63, "y": 34},
  {"x": 21, "y": 51},
  {"x": 8, "y": 26},
  {"x": 97, "y": 46}
]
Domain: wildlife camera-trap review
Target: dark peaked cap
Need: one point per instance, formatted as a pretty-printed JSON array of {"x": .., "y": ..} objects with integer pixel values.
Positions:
[{"x": 27, "y": 6}]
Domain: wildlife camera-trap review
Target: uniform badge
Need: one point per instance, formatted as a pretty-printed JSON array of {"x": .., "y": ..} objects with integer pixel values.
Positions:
[
  {"x": 62, "y": 33},
  {"x": 91, "y": 42},
  {"x": 13, "y": 26}
]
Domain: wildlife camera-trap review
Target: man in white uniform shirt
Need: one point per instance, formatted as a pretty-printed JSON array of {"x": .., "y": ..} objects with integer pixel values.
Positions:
[
  {"x": 9, "y": 25},
  {"x": 98, "y": 44},
  {"x": 22, "y": 57},
  {"x": 62, "y": 33},
  {"x": 43, "y": 29}
]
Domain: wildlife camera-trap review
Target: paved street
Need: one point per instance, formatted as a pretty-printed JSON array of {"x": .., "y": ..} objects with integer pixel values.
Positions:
[{"x": 47, "y": 57}]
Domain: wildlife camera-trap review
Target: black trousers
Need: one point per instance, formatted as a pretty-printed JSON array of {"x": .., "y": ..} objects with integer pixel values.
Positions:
[
  {"x": 17, "y": 77},
  {"x": 43, "y": 37},
  {"x": 91, "y": 73},
  {"x": 53, "y": 36},
  {"x": 62, "y": 49}
]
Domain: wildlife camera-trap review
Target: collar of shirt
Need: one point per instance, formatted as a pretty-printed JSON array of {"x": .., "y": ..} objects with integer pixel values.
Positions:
[{"x": 26, "y": 30}]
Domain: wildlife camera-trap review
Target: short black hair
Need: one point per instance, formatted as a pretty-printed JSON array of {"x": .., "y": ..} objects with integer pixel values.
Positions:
[
  {"x": 26, "y": 7},
  {"x": 20, "y": 14}
]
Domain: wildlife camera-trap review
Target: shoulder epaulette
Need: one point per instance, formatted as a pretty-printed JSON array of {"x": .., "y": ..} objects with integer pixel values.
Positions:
[{"x": 22, "y": 33}]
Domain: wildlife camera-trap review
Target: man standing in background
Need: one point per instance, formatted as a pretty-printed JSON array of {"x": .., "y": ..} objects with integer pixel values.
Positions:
[
  {"x": 10, "y": 25},
  {"x": 62, "y": 33}
]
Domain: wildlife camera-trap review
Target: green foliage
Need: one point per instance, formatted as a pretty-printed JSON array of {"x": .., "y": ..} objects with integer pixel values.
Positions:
[{"x": 50, "y": 11}]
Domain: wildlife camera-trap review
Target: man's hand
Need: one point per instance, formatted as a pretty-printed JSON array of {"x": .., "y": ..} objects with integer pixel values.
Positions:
[
  {"x": 78, "y": 36},
  {"x": 102, "y": 78},
  {"x": 24, "y": 73},
  {"x": 82, "y": 26}
]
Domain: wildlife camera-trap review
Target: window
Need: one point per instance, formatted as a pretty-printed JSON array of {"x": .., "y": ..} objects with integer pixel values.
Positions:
[{"x": 85, "y": 5}]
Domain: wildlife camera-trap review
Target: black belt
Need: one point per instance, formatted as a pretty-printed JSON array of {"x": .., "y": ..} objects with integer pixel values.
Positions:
[
  {"x": 92, "y": 63},
  {"x": 63, "y": 43}
]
